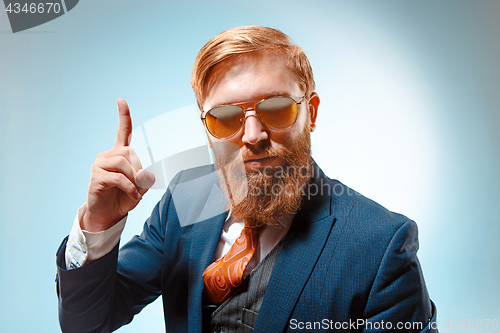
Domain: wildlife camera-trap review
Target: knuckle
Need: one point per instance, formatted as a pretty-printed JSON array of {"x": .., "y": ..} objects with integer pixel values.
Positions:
[
  {"x": 124, "y": 151},
  {"x": 117, "y": 177},
  {"x": 130, "y": 151},
  {"x": 121, "y": 160},
  {"x": 95, "y": 178},
  {"x": 95, "y": 167}
]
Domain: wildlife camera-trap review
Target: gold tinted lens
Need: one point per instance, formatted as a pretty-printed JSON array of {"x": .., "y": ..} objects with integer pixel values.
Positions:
[
  {"x": 277, "y": 112},
  {"x": 224, "y": 121}
]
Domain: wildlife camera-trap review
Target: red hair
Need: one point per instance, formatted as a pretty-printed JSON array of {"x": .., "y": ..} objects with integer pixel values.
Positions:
[{"x": 249, "y": 39}]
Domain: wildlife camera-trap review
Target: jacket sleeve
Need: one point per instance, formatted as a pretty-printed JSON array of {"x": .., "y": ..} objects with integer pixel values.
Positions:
[
  {"x": 398, "y": 299},
  {"x": 108, "y": 292}
]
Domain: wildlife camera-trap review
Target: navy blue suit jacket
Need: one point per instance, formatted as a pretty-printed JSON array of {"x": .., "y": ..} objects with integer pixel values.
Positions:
[{"x": 345, "y": 259}]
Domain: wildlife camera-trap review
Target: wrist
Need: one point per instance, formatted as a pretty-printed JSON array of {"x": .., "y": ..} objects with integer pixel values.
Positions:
[{"x": 92, "y": 224}]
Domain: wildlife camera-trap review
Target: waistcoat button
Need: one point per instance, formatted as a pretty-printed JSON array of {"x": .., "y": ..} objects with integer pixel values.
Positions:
[{"x": 215, "y": 328}]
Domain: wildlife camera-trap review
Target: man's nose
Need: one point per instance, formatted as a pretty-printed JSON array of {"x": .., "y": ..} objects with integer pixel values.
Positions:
[{"x": 255, "y": 131}]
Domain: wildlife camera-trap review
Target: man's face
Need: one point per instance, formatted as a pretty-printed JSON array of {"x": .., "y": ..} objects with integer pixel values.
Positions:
[
  {"x": 252, "y": 162},
  {"x": 254, "y": 77}
]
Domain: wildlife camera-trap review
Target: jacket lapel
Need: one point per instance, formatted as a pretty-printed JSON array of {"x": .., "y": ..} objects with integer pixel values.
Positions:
[
  {"x": 206, "y": 231},
  {"x": 302, "y": 247}
]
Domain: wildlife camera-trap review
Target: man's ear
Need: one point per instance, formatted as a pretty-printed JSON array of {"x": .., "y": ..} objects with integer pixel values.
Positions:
[{"x": 313, "y": 109}]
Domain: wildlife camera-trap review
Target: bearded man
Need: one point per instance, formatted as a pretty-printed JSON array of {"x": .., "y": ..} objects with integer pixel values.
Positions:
[{"x": 261, "y": 242}]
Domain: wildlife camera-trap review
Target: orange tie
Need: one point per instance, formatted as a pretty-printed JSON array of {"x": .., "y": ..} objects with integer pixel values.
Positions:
[{"x": 223, "y": 276}]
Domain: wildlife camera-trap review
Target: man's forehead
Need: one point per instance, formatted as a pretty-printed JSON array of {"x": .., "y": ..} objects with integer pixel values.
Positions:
[{"x": 249, "y": 77}]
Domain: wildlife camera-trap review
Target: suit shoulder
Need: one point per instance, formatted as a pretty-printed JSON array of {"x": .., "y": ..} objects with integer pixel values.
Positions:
[
  {"x": 364, "y": 214},
  {"x": 187, "y": 181},
  {"x": 193, "y": 173},
  {"x": 194, "y": 179},
  {"x": 367, "y": 229}
]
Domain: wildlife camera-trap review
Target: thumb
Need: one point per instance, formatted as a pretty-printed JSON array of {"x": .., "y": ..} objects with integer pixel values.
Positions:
[{"x": 144, "y": 179}]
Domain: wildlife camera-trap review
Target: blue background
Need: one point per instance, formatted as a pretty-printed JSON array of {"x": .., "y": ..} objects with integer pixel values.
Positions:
[{"x": 409, "y": 117}]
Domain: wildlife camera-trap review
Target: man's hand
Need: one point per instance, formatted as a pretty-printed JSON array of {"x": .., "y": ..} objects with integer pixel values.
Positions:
[{"x": 117, "y": 180}]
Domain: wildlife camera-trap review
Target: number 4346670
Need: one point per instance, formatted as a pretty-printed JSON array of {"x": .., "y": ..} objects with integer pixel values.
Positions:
[
  {"x": 33, "y": 8},
  {"x": 471, "y": 324}
]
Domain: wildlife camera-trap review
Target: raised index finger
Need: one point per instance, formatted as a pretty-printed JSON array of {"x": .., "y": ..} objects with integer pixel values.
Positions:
[{"x": 124, "y": 134}]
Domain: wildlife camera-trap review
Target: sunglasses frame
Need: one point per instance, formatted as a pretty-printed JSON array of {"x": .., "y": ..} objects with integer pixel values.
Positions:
[{"x": 257, "y": 102}]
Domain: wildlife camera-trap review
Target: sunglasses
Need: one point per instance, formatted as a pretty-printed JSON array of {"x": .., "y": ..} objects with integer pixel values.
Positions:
[{"x": 277, "y": 112}]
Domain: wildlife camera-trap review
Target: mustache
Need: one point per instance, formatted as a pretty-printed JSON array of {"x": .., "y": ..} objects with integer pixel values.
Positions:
[{"x": 269, "y": 151}]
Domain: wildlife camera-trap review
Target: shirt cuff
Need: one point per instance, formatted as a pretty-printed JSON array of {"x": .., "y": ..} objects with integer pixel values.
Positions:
[{"x": 84, "y": 247}]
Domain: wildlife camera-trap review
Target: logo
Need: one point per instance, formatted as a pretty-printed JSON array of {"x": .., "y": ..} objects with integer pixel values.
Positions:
[{"x": 28, "y": 14}]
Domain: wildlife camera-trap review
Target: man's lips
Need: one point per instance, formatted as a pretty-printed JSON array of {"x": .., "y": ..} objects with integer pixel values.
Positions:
[{"x": 260, "y": 162}]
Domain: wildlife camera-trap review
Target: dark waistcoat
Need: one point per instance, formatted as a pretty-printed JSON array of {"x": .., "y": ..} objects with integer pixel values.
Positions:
[{"x": 238, "y": 313}]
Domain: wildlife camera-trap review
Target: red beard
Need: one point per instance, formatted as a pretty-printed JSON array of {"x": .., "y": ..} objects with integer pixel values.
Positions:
[{"x": 262, "y": 197}]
